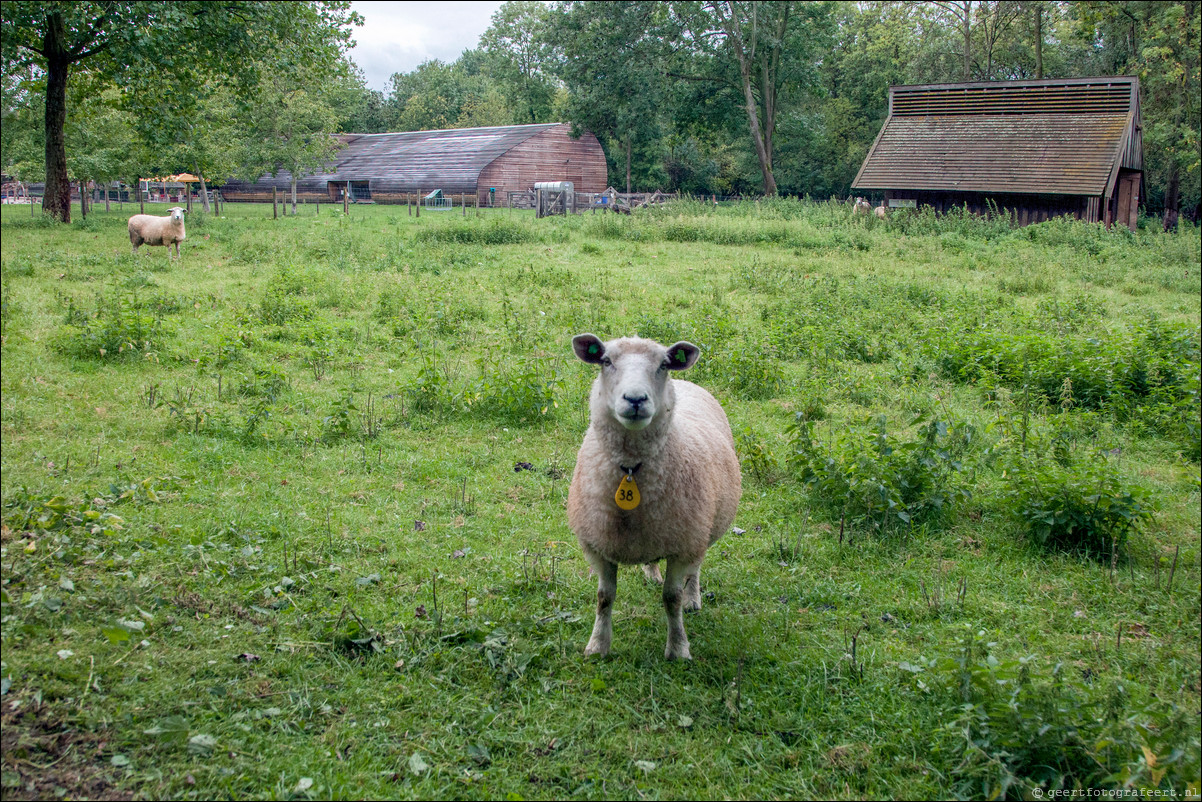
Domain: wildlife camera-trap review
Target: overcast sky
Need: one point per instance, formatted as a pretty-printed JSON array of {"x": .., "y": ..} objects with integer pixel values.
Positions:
[{"x": 397, "y": 36}]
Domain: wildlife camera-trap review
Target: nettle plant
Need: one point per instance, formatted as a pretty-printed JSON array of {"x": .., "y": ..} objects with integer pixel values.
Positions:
[
  {"x": 866, "y": 475},
  {"x": 118, "y": 326},
  {"x": 1085, "y": 506}
]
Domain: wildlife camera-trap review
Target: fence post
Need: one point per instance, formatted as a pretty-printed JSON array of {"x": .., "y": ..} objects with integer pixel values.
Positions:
[
  {"x": 346, "y": 198},
  {"x": 275, "y": 209},
  {"x": 418, "y": 204}
]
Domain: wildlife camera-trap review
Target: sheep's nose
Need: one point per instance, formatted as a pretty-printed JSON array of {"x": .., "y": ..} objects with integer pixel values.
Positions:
[{"x": 635, "y": 401}]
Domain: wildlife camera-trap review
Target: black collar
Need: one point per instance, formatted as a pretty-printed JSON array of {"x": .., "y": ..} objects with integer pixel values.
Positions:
[{"x": 631, "y": 471}]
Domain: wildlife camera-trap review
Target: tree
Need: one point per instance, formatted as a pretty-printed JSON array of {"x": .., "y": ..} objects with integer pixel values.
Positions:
[
  {"x": 288, "y": 128},
  {"x": 611, "y": 58},
  {"x": 515, "y": 45},
  {"x": 757, "y": 49},
  {"x": 160, "y": 52}
]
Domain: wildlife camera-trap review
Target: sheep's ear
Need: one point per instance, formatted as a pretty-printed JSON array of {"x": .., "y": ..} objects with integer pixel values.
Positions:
[
  {"x": 589, "y": 348},
  {"x": 681, "y": 356}
]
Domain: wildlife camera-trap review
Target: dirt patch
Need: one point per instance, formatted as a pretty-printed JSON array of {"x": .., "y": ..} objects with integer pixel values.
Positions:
[{"x": 42, "y": 753}]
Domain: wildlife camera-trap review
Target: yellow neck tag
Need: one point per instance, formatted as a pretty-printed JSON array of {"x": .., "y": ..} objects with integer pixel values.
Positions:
[{"x": 627, "y": 496}]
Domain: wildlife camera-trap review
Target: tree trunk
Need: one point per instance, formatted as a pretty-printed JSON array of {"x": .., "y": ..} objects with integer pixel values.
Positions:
[
  {"x": 107, "y": 190},
  {"x": 1172, "y": 200},
  {"x": 57, "y": 198},
  {"x": 1038, "y": 42},
  {"x": 731, "y": 26},
  {"x": 294, "y": 195},
  {"x": 967, "y": 40},
  {"x": 83, "y": 201},
  {"x": 757, "y": 136},
  {"x": 204, "y": 192},
  {"x": 628, "y": 164}
]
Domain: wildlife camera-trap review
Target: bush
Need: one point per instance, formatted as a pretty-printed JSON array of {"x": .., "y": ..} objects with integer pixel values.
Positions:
[
  {"x": 1079, "y": 507},
  {"x": 1016, "y": 731},
  {"x": 867, "y": 475},
  {"x": 517, "y": 390}
]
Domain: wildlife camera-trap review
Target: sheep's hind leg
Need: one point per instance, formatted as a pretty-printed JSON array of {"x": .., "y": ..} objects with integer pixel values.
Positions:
[
  {"x": 692, "y": 591},
  {"x": 674, "y": 601},
  {"x": 651, "y": 572},
  {"x": 607, "y": 591}
]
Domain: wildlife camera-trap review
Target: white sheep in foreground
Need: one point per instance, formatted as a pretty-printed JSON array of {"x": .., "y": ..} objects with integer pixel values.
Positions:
[
  {"x": 656, "y": 477},
  {"x": 147, "y": 229},
  {"x": 881, "y": 212},
  {"x": 861, "y": 206}
]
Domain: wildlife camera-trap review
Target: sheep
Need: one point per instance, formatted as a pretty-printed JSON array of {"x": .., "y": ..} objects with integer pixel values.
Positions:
[
  {"x": 656, "y": 477},
  {"x": 881, "y": 212},
  {"x": 861, "y": 207},
  {"x": 151, "y": 230}
]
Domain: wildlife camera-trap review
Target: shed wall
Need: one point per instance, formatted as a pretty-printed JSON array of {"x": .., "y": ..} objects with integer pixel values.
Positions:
[{"x": 550, "y": 156}]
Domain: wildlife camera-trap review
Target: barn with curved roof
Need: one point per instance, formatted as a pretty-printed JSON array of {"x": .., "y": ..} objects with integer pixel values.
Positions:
[{"x": 395, "y": 168}]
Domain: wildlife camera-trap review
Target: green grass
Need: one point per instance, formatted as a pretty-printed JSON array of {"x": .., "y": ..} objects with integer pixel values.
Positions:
[{"x": 267, "y": 530}]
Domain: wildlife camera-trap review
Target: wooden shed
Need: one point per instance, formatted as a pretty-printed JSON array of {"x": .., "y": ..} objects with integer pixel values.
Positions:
[
  {"x": 394, "y": 168},
  {"x": 1037, "y": 149}
]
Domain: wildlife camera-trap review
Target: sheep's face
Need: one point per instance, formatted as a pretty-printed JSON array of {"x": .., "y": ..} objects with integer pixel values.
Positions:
[
  {"x": 177, "y": 214},
  {"x": 634, "y": 375}
]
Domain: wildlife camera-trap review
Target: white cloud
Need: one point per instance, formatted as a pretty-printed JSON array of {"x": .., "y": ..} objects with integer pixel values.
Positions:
[{"x": 396, "y": 36}]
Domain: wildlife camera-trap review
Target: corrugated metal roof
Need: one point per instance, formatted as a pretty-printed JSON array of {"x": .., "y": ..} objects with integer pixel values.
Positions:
[
  {"x": 1034, "y": 137},
  {"x": 450, "y": 159}
]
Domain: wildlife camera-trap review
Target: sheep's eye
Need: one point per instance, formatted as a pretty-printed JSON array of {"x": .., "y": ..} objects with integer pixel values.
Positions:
[{"x": 606, "y": 362}]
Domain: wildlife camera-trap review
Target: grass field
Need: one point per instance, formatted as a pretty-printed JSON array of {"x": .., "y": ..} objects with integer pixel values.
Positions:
[{"x": 285, "y": 518}]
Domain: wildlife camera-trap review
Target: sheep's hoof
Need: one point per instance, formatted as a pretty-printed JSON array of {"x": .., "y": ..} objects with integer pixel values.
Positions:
[
  {"x": 692, "y": 606},
  {"x": 596, "y": 647},
  {"x": 652, "y": 574},
  {"x": 680, "y": 653}
]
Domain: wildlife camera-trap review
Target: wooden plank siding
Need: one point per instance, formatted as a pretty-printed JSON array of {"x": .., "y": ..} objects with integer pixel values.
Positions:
[
  {"x": 1036, "y": 148},
  {"x": 550, "y": 156}
]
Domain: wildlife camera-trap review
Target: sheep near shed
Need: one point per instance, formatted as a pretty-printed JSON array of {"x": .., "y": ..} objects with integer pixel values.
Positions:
[
  {"x": 147, "y": 229},
  {"x": 881, "y": 212},
  {"x": 656, "y": 477},
  {"x": 861, "y": 206}
]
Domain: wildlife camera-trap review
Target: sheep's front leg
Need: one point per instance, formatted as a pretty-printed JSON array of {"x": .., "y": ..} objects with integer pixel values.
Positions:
[
  {"x": 674, "y": 602},
  {"x": 607, "y": 591}
]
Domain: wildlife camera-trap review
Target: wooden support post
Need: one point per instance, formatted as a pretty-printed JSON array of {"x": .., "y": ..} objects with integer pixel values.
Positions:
[
  {"x": 409, "y": 203},
  {"x": 141, "y": 197},
  {"x": 463, "y": 204},
  {"x": 418, "y": 204},
  {"x": 275, "y": 209},
  {"x": 346, "y": 198}
]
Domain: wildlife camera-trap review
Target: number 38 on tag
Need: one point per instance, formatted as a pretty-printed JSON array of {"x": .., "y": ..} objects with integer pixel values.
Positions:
[{"x": 627, "y": 496}]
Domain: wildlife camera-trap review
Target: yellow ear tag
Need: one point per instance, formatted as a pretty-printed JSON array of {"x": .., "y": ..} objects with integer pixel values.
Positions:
[{"x": 627, "y": 496}]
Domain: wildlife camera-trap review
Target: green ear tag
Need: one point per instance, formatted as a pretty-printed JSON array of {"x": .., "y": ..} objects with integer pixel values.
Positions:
[
  {"x": 681, "y": 356},
  {"x": 627, "y": 496},
  {"x": 592, "y": 349}
]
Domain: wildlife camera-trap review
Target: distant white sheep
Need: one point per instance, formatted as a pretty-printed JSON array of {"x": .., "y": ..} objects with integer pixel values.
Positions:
[
  {"x": 147, "y": 229},
  {"x": 881, "y": 212},
  {"x": 656, "y": 477},
  {"x": 861, "y": 206}
]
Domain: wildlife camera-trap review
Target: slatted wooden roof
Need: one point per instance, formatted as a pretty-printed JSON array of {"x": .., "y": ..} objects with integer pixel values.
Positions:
[
  {"x": 1066, "y": 137},
  {"x": 450, "y": 160}
]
